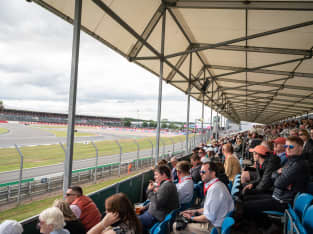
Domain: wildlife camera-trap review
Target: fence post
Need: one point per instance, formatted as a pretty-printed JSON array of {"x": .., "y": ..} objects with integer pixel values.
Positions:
[
  {"x": 97, "y": 155},
  {"x": 138, "y": 151},
  {"x": 163, "y": 146},
  {"x": 173, "y": 142},
  {"x": 119, "y": 168},
  {"x": 151, "y": 148},
  {"x": 21, "y": 174}
]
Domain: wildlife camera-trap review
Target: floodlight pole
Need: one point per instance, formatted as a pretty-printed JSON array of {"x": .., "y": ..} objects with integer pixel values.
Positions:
[
  {"x": 188, "y": 103},
  {"x": 160, "y": 90},
  {"x": 72, "y": 98}
]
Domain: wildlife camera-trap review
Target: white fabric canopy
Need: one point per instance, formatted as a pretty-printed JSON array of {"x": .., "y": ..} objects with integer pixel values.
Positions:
[{"x": 256, "y": 56}]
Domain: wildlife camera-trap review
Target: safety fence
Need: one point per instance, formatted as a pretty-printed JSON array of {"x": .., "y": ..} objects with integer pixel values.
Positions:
[
  {"x": 94, "y": 164},
  {"x": 10, "y": 193},
  {"x": 133, "y": 187}
]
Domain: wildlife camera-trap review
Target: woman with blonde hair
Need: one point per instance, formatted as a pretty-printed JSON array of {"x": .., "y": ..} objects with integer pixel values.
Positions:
[
  {"x": 120, "y": 217},
  {"x": 72, "y": 223},
  {"x": 51, "y": 221}
]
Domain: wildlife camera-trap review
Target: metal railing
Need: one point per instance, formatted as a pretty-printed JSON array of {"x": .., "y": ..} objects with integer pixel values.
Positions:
[{"x": 99, "y": 167}]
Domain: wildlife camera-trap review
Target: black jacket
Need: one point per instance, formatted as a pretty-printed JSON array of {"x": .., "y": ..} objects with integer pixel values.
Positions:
[
  {"x": 75, "y": 227},
  {"x": 295, "y": 173},
  {"x": 308, "y": 154},
  {"x": 263, "y": 181}
]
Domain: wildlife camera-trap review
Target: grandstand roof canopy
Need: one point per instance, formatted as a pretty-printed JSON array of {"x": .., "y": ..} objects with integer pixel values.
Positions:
[{"x": 256, "y": 56}]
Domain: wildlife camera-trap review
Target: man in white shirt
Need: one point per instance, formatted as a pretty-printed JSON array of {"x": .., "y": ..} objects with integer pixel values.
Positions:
[
  {"x": 185, "y": 183},
  {"x": 218, "y": 203}
]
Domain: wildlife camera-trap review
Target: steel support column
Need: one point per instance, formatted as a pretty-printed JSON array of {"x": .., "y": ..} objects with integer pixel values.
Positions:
[
  {"x": 160, "y": 90},
  {"x": 188, "y": 103},
  {"x": 202, "y": 118},
  {"x": 72, "y": 98}
]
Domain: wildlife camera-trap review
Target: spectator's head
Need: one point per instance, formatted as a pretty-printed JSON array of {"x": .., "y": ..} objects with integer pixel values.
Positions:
[
  {"x": 162, "y": 172},
  {"x": 66, "y": 210},
  {"x": 238, "y": 141},
  {"x": 227, "y": 149},
  {"x": 259, "y": 152},
  {"x": 163, "y": 161},
  {"x": 11, "y": 227},
  {"x": 51, "y": 219},
  {"x": 183, "y": 168},
  {"x": 269, "y": 145},
  {"x": 195, "y": 150},
  {"x": 279, "y": 144},
  {"x": 208, "y": 171},
  {"x": 202, "y": 153},
  {"x": 119, "y": 203},
  {"x": 72, "y": 193},
  {"x": 294, "y": 146},
  {"x": 293, "y": 132},
  {"x": 311, "y": 133},
  {"x": 304, "y": 135},
  {"x": 195, "y": 159},
  {"x": 173, "y": 161}
]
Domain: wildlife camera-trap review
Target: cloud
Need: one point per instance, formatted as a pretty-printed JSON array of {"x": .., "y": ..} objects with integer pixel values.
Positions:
[{"x": 35, "y": 71}]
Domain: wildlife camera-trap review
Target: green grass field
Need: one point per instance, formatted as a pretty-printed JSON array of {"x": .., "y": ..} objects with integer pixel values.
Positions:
[
  {"x": 3, "y": 130},
  {"x": 34, "y": 208},
  {"x": 63, "y": 133},
  {"x": 44, "y": 155}
]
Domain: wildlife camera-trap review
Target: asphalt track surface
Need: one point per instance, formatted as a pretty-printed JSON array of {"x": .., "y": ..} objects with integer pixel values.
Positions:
[
  {"x": 22, "y": 135},
  {"x": 26, "y": 135}
]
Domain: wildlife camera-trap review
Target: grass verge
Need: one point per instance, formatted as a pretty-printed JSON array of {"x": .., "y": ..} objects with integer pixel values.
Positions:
[
  {"x": 25, "y": 211},
  {"x": 3, "y": 130}
]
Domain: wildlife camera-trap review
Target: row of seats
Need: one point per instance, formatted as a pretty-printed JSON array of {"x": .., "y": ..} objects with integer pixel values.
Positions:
[{"x": 299, "y": 218}]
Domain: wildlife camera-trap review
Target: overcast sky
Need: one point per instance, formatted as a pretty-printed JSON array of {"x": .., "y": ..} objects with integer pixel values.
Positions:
[{"x": 35, "y": 63}]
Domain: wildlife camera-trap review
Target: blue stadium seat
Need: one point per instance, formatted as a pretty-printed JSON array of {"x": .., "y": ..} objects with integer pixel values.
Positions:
[
  {"x": 301, "y": 204},
  {"x": 164, "y": 227},
  {"x": 226, "y": 226},
  {"x": 308, "y": 220}
]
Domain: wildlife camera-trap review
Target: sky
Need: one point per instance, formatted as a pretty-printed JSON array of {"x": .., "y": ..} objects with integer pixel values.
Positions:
[{"x": 35, "y": 64}]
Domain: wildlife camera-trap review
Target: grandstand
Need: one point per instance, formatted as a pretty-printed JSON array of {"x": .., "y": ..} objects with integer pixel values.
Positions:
[{"x": 57, "y": 118}]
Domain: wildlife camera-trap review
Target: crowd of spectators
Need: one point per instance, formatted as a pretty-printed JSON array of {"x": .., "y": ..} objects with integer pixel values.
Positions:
[{"x": 275, "y": 163}]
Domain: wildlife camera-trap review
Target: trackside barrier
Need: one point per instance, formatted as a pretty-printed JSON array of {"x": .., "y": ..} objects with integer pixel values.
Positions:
[
  {"x": 37, "y": 186},
  {"x": 133, "y": 187}
]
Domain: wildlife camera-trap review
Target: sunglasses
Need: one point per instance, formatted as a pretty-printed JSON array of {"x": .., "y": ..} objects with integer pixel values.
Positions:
[
  {"x": 301, "y": 134},
  {"x": 70, "y": 194},
  {"x": 202, "y": 172},
  {"x": 289, "y": 146}
]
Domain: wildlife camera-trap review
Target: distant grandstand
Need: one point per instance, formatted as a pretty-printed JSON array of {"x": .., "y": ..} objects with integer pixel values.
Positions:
[{"x": 47, "y": 117}]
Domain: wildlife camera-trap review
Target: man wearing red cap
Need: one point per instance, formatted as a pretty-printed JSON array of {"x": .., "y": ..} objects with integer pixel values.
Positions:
[
  {"x": 290, "y": 180},
  {"x": 279, "y": 149},
  {"x": 266, "y": 164}
]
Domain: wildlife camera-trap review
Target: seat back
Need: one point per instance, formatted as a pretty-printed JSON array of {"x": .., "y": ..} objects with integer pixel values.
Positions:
[
  {"x": 308, "y": 220},
  {"x": 165, "y": 226},
  {"x": 227, "y": 224},
  {"x": 302, "y": 202}
]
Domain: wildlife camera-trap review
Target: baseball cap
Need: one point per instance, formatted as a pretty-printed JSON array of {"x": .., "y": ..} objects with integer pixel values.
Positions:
[
  {"x": 260, "y": 149},
  {"x": 280, "y": 140}
]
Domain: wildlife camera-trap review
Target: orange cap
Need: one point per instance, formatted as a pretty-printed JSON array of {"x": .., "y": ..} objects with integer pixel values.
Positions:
[
  {"x": 280, "y": 140},
  {"x": 260, "y": 149}
]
